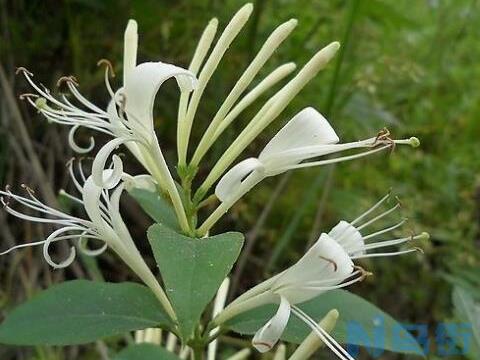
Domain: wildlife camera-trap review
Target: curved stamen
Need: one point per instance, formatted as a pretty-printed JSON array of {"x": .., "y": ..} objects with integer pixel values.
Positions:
[{"x": 108, "y": 70}]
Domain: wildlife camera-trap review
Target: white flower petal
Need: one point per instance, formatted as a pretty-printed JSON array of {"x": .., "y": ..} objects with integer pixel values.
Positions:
[
  {"x": 348, "y": 237},
  {"x": 142, "y": 86},
  {"x": 108, "y": 180},
  {"x": 75, "y": 147},
  {"x": 307, "y": 128},
  {"x": 54, "y": 235},
  {"x": 326, "y": 260},
  {"x": 266, "y": 337},
  {"x": 91, "y": 200},
  {"x": 231, "y": 182}
]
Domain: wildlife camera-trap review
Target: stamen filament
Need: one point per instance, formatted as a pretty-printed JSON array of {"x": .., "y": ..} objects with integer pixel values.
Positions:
[
  {"x": 385, "y": 230},
  {"x": 322, "y": 334},
  {"x": 378, "y": 217},
  {"x": 372, "y": 255}
]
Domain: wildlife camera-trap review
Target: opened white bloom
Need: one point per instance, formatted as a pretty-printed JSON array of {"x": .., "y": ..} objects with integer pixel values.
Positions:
[
  {"x": 308, "y": 135},
  {"x": 128, "y": 118},
  {"x": 327, "y": 265},
  {"x": 104, "y": 224}
]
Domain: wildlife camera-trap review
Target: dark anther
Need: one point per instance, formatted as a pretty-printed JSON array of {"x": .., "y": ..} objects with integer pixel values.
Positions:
[
  {"x": 108, "y": 64},
  {"x": 22, "y": 69},
  {"x": 67, "y": 79},
  {"x": 28, "y": 189},
  {"x": 363, "y": 273}
]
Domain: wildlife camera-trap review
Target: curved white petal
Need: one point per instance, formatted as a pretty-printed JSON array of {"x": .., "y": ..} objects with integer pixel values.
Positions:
[
  {"x": 75, "y": 147},
  {"x": 54, "y": 235},
  {"x": 266, "y": 337},
  {"x": 107, "y": 180},
  {"x": 307, "y": 128},
  {"x": 348, "y": 237},
  {"x": 326, "y": 260},
  {"x": 91, "y": 193},
  {"x": 142, "y": 86},
  {"x": 118, "y": 224},
  {"x": 83, "y": 246},
  {"x": 231, "y": 182}
]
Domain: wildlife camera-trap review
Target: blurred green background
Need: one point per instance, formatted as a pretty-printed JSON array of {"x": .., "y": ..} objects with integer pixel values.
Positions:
[{"x": 412, "y": 66}]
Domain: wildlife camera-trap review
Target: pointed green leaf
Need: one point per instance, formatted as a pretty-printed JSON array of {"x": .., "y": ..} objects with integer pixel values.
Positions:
[
  {"x": 81, "y": 311},
  {"x": 360, "y": 323},
  {"x": 145, "y": 352},
  {"x": 156, "y": 207},
  {"x": 192, "y": 269}
]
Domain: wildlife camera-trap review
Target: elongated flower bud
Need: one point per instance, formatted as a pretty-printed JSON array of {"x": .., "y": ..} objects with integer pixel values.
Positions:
[{"x": 312, "y": 342}]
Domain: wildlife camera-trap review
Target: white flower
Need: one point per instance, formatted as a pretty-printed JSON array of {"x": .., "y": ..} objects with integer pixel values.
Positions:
[
  {"x": 128, "y": 118},
  {"x": 306, "y": 136},
  {"x": 327, "y": 265},
  {"x": 104, "y": 224}
]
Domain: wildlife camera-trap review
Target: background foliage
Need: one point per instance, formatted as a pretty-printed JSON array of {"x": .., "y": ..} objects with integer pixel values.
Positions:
[{"x": 410, "y": 66}]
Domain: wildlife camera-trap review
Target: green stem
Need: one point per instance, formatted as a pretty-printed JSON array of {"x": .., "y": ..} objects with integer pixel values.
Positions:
[{"x": 197, "y": 352}]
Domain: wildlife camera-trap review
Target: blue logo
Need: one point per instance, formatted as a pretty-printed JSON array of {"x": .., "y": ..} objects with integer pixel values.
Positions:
[{"x": 442, "y": 339}]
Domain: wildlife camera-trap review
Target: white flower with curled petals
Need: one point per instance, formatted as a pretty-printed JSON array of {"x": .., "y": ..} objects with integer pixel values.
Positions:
[
  {"x": 325, "y": 266},
  {"x": 128, "y": 118},
  {"x": 104, "y": 224}
]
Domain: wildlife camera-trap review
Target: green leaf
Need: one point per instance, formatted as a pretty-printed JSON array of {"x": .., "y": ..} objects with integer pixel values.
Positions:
[
  {"x": 81, "y": 311},
  {"x": 360, "y": 323},
  {"x": 192, "y": 269},
  {"x": 145, "y": 352},
  {"x": 156, "y": 207},
  {"x": 467, "y": 310}
]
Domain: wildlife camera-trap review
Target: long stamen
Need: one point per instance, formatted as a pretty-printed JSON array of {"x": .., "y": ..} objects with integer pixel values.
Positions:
[
  {"x": 369, "y": 211},
  {"x": 335, "y": 160},
  {"x": 22, "y": 246},
  {"x": 373, "y": 255},
  {"x": 380, "y": 244},
  {"x": 108, "y": 70},
  {"x": 322, "y": 334},
  {"x": 378, "y": 217},
  {"x": 372, "y": 235}
]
